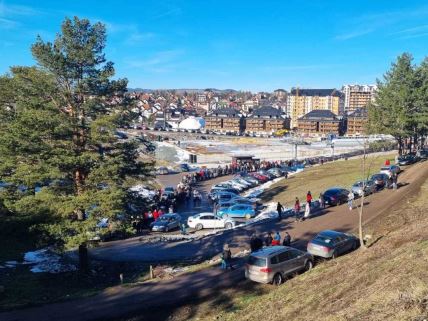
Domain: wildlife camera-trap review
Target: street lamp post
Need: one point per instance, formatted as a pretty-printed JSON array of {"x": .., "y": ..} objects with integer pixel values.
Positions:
[{"x": 332, "y": 149}]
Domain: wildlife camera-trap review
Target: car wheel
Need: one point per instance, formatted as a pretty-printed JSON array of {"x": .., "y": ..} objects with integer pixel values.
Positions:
[
  {"x": 247, "y": 216},
  {"x": 199, "y": 227},
  {"x": 166, "y": 229},
  {"x": 354, "y": 245},
  {"x": 309, "y": 265},
  {"x": 277, "y": 279},
  {"x": 334, "y": 255},
  {"x": 228, "y": 225}
]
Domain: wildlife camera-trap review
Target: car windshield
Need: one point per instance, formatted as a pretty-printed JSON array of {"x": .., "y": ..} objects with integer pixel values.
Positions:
[
  {"x": 257, "y": 261},
  {"x": 384, "y": 169}
]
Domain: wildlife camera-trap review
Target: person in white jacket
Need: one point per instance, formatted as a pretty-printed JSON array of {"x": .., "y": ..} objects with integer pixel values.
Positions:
[
  {"x": 350, "y": 200},
  {"x": 307, "y": 210}
]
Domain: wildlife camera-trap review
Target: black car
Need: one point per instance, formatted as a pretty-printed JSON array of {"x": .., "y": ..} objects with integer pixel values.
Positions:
[
  {"x": 166, "y": 222},
  {"x": 335, "y": 196},
  {"x": 407, "y": 160},
  {"x": 381, "y": 180}
]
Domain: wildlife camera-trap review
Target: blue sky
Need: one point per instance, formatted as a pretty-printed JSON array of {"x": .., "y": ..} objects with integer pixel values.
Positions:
[{"x": 248, "y": 45}]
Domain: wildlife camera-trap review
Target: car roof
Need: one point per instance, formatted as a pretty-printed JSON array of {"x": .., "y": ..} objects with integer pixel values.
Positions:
[
  {"x": 330, "y": 233},
  {"x": 270, "y": 250}
]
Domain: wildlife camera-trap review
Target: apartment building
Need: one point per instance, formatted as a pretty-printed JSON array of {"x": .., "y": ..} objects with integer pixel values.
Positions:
[
  {"x": 226, "y": 120},
  {"x": 266, "y": 120},
  {"x": 357, "y": 96},
  {"x": 320, "y": 123},
  {"x": 302, "y": 101},
  {"x": 356, "y": 122}
]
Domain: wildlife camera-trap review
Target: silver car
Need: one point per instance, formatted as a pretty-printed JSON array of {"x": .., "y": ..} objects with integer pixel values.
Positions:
[
  {"x": 369, "y": 188},
  {"x": 331, "y": 244},
  {"x": 273, "y": 264}
]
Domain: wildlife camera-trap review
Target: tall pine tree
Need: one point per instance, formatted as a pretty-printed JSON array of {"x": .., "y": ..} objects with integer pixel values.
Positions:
[{"x": 60, "y": 157}]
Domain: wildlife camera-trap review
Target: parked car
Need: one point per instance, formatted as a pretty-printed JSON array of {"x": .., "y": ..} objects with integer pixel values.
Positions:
[
  {"x": 244, "y": 200},
  {"x": 407, "y": 159},
  {"x": 250, "y": 180},
  {"x": 209, "y": 220},
  {"x": 369, "y": 188},
  {"x": 166, "y": 222},
  {"x": 242, "y": 182},
  {"x": 168, "y": 192},
  {"x": 331, "y": 244},
  {"x": 240, "y": 211},
  {"x": 390, "y": 170},
  {"x": 217, "y": 190},
  {"x": 273, "y": 264},
  {"x": 223, "y": 196},
  {"x": 162, "y": 171},
  {"x": 227, "y": 185},
  {"x": 381, "y": 180},
  {"x": 269, "y": 175},
  {"x": 184, "y": 167},
  {"x": 276, "y": 172},
  {"x": 336, "y": 196},
  {"x": 260, "y": 178},
  {"x": 422, "y": 154}
]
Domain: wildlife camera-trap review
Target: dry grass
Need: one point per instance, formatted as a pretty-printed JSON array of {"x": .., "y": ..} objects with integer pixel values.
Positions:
[{"x": 319, "y": 178}]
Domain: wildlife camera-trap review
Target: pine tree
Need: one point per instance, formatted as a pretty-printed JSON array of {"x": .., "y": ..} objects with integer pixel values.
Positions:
[
  {"x": 394, "y": 101},
  {"x": 59, "y": 153}
]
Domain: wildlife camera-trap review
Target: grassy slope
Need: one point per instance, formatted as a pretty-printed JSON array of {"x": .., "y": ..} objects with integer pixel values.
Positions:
[
  {"x": 389, "y": 281},
  {"x": 319, "y": 178}
]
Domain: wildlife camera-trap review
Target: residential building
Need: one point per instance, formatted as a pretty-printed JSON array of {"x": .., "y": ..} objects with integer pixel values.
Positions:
[
  {"x": 266, "y": 120},
  {"x": 357, "y": 96},
  {"x": 302, "y": 101},
  {"x": 225, "y": 120},
  {"x": 280, "y": 94},
  {"x": 356, "y": 122},
  {"x": 320, "y": 123},
  {"x": 203, "y": 102}
]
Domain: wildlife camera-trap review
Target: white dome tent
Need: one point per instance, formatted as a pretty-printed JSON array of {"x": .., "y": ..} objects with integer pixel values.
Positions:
[{"x": 192, "y": 123}]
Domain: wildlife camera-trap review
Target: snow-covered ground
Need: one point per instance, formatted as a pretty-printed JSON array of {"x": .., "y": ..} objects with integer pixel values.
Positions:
[{"x": 42, "y": 261}]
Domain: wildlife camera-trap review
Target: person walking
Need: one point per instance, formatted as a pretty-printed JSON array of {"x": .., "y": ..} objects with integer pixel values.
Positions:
[
  {"x": 269, "y": 239},
  {"x": 226, "y": 256},
  {"x": 322, "y": 200},
  {"x": 276, "y": 239},
  {"x": 309, "y": 197},
  {"x": 287, "y": 239},
  {"x": 279, "y": 209},
  {"x": 297, "y": 209},
  {"x": 394, "y": 181},
  {"x": 255, "y": 243},
  {"x": 351, "y": 197},
  {"x": 307, "y": 211}
]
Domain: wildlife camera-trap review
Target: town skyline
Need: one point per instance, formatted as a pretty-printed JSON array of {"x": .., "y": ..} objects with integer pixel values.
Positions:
[{"x": 248, "y": 47}]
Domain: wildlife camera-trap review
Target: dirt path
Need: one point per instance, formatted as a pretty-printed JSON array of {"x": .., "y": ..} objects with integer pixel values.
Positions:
[{"x": 117, "y": 301}]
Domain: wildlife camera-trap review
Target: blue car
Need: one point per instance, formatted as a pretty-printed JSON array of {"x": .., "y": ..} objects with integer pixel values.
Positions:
[{"x": 239, "y": 211}]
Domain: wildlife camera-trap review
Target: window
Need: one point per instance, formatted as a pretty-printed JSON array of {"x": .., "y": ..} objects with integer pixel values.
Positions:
[
  {"x": 257, "y": 261},
  {"x": 274, "y": 260},
  {"x": 294, "y": 254},
  {"x": 284, "y": 256}
]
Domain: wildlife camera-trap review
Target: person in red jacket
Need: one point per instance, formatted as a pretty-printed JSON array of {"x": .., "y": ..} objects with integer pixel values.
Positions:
[
  {"x": 155, "y": 214},
  {"x": 309, "y": 198}
]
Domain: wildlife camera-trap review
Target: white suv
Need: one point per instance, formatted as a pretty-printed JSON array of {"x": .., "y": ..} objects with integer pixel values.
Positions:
[{"x": 209, "y": 220}]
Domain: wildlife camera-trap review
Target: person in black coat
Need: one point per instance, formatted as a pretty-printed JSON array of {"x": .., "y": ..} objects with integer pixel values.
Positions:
[
  {"x": 287, "y": 239},
  {"x": 269, "y": 239}
]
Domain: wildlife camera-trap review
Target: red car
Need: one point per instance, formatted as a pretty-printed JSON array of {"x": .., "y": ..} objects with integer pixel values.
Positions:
[{"x": 260, "y": 177}]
